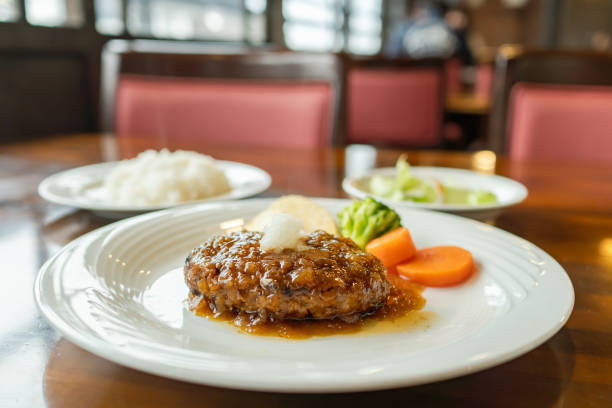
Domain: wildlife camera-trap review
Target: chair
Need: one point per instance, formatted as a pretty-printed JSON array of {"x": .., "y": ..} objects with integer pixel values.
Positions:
[
  {"x": 552, "y": 105},
  {"x": 452, "y": 76},
  {"x": 483, "y": 83},
  {"x": 230, "y": 96},
  {"x": 395, "y": 102}
]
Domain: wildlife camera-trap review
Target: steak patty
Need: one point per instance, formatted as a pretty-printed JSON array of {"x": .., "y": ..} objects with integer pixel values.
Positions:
[{"x": 326, "y": 277}]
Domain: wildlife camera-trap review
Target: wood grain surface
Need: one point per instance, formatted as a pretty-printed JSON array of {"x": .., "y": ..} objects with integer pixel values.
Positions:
[{"x": 568, "y": 214}]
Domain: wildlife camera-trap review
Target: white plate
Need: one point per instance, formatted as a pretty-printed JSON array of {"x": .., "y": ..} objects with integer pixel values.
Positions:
[
  {"x": 81, "y": 187},
  {"x": 118, "y": 292},
  {"x": 508, "y": 191}
]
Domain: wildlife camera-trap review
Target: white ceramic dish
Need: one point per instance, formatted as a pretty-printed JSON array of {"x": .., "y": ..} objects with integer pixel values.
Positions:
[
  {"x": 81, "y": 187},
  {"x": 508, "y": 191},
  {"x": 119, "y": 293}
]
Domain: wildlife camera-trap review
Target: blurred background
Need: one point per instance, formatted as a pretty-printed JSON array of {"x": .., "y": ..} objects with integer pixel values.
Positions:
[{"x": 51, "y": 61}]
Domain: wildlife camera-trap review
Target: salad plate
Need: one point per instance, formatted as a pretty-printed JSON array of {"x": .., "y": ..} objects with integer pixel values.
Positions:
[
  {"x": 470, "y": 185},
  {"x": 82, "y": 187},
  {"x": 119, "y": 293}
]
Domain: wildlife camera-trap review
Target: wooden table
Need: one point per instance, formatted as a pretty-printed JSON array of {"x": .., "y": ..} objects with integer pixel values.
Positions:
[
  {"x": 568, "y": 214},
  {"x": 467, "y": 103}
]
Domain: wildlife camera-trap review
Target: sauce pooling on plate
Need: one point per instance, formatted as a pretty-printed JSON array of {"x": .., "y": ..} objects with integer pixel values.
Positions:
[{"x": 402, "y": 304}]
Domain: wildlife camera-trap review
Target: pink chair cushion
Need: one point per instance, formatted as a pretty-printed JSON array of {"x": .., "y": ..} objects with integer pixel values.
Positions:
[
  {"x": 483, "y": 86},
  {"x": 560, "y": 122},
  {"x": 231, "y": 112},
  {"x": 452, "y": 76},
  {"x": 400, "y": 107}
]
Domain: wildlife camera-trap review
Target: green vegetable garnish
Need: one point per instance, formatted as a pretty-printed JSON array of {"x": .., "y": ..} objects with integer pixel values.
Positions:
[
  {"x": 362, "y": 221},
  {"x": 406, "y": 187},
  {"x": 458, "y": 195}
]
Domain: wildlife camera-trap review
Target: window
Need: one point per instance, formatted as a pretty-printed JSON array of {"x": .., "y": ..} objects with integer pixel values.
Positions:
[
  {"x": 313, "y": 25},
  {"x": 54, "y": 13},
  {"x": 365, "y": 26},
  {"x": 226, "y": 20},
  {"x": 333, "y": 25},
  {"x": 256, "y": 16},
  {"x": 9, "y": 11},
  {"x": 109, "y": 16}
]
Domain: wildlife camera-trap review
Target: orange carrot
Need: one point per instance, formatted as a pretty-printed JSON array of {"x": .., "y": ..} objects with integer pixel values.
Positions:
[
  {"x": 438, "y": 266},
  {"x": 393, "y": 247}
]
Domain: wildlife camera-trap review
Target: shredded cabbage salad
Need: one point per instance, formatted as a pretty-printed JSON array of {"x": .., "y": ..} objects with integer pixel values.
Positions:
[{"x": 405, "y": 186}]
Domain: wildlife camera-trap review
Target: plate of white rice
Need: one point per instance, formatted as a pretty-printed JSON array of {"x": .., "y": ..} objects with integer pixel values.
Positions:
[{"x": 153, "y": 180}]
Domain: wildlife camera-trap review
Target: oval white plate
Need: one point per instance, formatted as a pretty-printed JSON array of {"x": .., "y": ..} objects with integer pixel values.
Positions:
[
  {"x": 508, "y": 191},
  {"x": 118, "y": 292},
  {"x": 81, "y": 187}
]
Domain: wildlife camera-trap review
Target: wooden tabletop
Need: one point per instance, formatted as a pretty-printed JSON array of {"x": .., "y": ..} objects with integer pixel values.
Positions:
[
  {"x": 568, "y": 214},
  {"x": 467, "y": 103}
]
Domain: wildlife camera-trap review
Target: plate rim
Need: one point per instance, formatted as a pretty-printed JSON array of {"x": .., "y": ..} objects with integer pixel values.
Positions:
[
  {"x": 117, "y": 354},
  {"x": 349, "y": 188},
  {"x": 45, "y": 192}
]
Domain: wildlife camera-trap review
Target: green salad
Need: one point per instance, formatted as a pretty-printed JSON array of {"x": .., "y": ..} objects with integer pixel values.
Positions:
[{"x": 405, "y": 186}]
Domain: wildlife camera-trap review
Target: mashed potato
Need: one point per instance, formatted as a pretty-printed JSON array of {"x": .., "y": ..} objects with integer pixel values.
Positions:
[
  {"x": 160, "y": 178},
  {"x": 312, "y": 215}
]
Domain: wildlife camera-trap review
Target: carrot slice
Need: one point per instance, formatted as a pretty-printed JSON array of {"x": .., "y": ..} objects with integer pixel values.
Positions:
[
  {"x": 438, "y": 266},
  {"x": 393, "y": 247}
]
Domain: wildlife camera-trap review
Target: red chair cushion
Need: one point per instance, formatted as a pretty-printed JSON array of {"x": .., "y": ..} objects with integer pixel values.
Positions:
[
  {"x": 560, "y": 122},
  {"x": 483, "y": 86},
  {"x": 231, "y": 112},
  {"x": 399, "y": 107},
  {"x": 452, "y": 76}
]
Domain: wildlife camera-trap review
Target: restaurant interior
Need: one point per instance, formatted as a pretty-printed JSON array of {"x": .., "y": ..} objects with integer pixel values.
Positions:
[{"x": 481, "y": 125}]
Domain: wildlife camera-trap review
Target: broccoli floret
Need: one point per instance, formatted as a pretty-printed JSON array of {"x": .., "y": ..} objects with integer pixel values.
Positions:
[{"x": 365, "y": 220}]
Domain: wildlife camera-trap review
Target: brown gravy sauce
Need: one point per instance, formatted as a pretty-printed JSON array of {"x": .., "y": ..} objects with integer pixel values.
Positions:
[{"x": 400, "y": 312}]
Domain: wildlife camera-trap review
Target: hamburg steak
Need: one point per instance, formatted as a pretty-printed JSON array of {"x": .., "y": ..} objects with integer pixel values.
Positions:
[{"x": 326, "y": 277}]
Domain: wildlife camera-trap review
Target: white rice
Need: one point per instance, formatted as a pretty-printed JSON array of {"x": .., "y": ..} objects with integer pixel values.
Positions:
[{"x": 160, "y": 178}]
